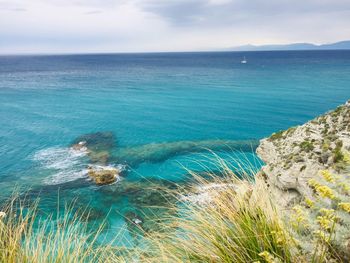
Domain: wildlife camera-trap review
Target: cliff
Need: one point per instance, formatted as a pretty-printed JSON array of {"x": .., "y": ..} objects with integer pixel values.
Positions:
[
  {"x": 307, "y": 173},
  {"x": 295, "y": 156}
]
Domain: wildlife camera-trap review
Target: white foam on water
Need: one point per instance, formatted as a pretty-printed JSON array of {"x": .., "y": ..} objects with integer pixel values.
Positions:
[
  {"x": 59, "y": 158},
  {"x": 67, "y": 164},
  {"x": 204, "y": 194},
  {"x": 65, "y": 176}
]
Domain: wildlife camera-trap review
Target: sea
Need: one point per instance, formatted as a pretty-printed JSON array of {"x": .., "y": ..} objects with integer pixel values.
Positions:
[{"x": 153, "y": 106}]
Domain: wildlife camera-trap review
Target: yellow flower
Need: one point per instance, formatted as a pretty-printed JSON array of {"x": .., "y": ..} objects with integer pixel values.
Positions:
[
  {"x": 346, "y": 156},
  {"x": 327, "y": 219},
  {"x": 264, "y": 254},
  {"x": 299, "y": 217},
  {"x": 309, "y": 202},
  {"x": 322, "y": 235},
  {"x": 324, "y": 191},
  {"x": 325, "y": 222},
  {"x": 268, "y": 257},
  {"x": 313, "y": 183},
  {"x": 280, "y": 236},
  {"x": 327, "y": 212},
  {"x": 344, "y": 206},
  {"x": 321, "y": 190},
  {"x": 327, "y": 176}
]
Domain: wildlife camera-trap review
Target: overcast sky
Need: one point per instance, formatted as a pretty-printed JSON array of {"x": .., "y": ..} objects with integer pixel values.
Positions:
[{"x": 80, "y": 26}]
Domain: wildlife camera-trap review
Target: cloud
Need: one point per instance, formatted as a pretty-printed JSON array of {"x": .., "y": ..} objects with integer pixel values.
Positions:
[
  {"x": 11, "y": 7},
  {"x": 226, "y": 12},
  {"x": 93, "y": 12},
  {"x": 172, "y": 25}
]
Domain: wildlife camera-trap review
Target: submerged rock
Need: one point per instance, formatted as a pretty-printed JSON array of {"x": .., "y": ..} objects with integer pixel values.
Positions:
[
  {"x": 80, "y": 146},
  {"x": 97, "y": 145},
  {"x": 146, "y": 192},
  {"x": 150, "y": 200},
  {"x": 104, "y": 175},
  {"x": 101, "y": 157},
  {"x": 98, "y": 141},
  {"x": 159, "y": 152},
  {"x": 100, "y": 147}
]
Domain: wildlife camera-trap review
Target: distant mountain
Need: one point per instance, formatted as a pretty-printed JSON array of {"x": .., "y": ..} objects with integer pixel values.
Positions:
[{"x": 294, "y": 46}]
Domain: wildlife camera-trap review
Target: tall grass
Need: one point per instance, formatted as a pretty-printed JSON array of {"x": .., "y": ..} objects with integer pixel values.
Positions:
[
  {"x": 235, "y": 223},
  {"x": 226, "y": 218},
  {"x": 25, "y": 237}
]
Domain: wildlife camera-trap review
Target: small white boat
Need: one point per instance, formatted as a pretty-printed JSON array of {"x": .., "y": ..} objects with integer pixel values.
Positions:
[{"x": 244, "y": 61}]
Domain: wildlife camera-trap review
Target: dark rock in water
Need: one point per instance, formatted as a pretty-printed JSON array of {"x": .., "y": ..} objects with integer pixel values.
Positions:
[
  {"x": 152, "y": 201},
  {"x": 152, "y": 195},
  {"x": 100, "y": 149},
  {"x": 136, "y": 189},
  {"x": 101, "y": 157},
  {"x": 97, "y": 145},
  {"x": 99, "y": 141},
  {"x": 159, "y": 152},
  {"x": 80, "y": 146},
  {"x": 103, "y": 175}
]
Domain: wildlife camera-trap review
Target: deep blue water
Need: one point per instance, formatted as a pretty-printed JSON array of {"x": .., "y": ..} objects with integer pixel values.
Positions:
[{"x": 48, "y": 101}]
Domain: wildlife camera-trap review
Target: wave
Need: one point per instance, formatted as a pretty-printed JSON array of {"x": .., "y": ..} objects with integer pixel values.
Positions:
[{"x": 66, "y": 164}]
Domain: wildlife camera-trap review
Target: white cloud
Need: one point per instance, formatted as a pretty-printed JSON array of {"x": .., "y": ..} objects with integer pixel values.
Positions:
[
  {"x": 158, "y": 25},
  {"x": 219, "y": 2}
]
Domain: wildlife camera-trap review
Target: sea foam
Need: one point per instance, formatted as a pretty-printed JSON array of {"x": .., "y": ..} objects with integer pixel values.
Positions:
[{"x": 66, "y": 164}]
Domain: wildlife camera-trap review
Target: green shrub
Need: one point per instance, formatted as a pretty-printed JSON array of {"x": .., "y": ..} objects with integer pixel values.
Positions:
[
  {"x": 338, "y": 156},
  {"x": 277, "y": 135},
  {"x": 306, "y": 146}
]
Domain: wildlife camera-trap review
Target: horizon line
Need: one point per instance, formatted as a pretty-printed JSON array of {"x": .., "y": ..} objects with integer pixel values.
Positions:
[{"x": 163, "y": 52}]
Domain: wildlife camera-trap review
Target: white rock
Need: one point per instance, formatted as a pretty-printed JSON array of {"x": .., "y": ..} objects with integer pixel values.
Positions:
[{"x": 289, "y": 166}]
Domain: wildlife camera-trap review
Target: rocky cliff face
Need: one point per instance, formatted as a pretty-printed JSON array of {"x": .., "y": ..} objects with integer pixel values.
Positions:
[{"x": 295, "y": 156}]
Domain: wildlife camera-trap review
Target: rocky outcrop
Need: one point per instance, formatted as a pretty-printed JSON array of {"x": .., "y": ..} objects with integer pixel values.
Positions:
[
  {"x": 307, "y": 172},
  {"x": 98, "y": 141},
  {"x": 97, "y": 146},
  {"x": 100, "y": 148},
  {"x": 104, "y": 175},
  {"x": 159, "y": 152},
  {"x": 294, "y": 156}
]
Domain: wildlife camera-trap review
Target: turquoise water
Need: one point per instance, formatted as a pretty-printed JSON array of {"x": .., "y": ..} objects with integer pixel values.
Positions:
[{"x": 48, "y": 101}]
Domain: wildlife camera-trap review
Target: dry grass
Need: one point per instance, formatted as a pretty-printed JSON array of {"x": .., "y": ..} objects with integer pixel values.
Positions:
[
  {"x": 24, "y": 237},
  {"x": 221, "y": 219},
  {"x": 226, "y": 219}
]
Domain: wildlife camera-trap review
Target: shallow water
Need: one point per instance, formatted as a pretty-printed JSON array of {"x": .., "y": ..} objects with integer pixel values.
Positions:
[{"x": 48, "y": 101}]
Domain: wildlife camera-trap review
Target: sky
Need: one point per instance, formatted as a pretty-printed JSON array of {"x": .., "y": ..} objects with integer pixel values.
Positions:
[{"x": 93, "y": 26}]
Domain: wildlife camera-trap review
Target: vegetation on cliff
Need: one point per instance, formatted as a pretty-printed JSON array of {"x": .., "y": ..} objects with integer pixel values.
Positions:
[{"x": 308, "y": 175}]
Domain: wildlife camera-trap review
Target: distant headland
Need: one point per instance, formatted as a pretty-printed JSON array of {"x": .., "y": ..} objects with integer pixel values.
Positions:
[{"x": 342, "y": 45}]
